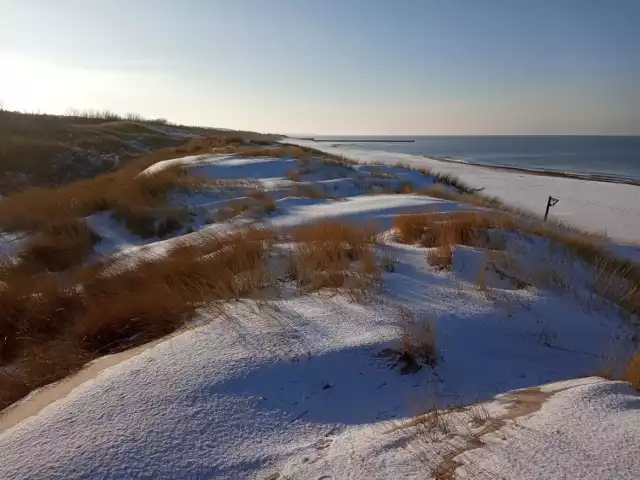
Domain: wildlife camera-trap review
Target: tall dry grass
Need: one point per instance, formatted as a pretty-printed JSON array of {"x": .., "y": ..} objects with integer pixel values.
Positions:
[
  {"x": 632, "y": 371},
  {"x": 332, "y": 254},
  {"x": 441, "y": 257},
  {"x": 49, "y": 150},
  {"x": 613, "y": 278},
  {"x": 438, "y": 229},
  {"x": 57, "y": 248},
  {"x": 418, "y": 341},
  {"x": 51, "y": 324}
]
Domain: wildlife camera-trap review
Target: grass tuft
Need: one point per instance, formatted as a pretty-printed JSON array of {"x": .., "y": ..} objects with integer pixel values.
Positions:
[
  {"x": 418, "y": 341},
  {"x": 324, "y": 253},
  {"x": 440, "y": 257},
  {"x": 632, "y": 371}
]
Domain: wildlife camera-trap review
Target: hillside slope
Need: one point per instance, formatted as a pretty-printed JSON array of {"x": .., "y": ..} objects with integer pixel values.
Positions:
[
  {"x": 52, "y": 150},
  {"x": 308, "y": 317}
]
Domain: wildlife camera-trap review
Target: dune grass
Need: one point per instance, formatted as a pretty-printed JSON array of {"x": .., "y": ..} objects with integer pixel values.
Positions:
[
  {"x": 632, "y": 371},
  {"x": 615, "y": 279},
  {"x": 49, "y": 150},
  {"x": 53, "y": 150},
  {"x": 323, "y": 255},
  {"x": 53, "y": 324}
]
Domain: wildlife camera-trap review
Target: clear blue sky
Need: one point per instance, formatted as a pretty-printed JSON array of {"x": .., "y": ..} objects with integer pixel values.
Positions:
[{"x": 332, "y": 66}]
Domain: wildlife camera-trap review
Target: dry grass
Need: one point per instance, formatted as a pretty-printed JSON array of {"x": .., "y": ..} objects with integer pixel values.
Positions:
[
  {"x": 57, "y": 248},
  {"x": 233, "y": 209},
  {"x": 50, "y": 150},
  {"x": 438, "y": 229},
  {"x": 324, "y": 254},
  {"x": 264, "y": 201},
  {"x": 38, "y": 208},
  {"x": 441, "y": 257},
  {"x": 615, "y": 279},
  {"x": 123, "y": 189},
  {"x": 293, "y": 175},
  {"x": 258, "y": 203},
  {"x": 632, "y": 371},
  {"x": 481, "y": 281},
  {"x": 470, "y": 197},
  {"x": 418, "y": 341},
  {"x": 440, "y": 437},
  {"x": 274, "y": 151},
  {"x": 53, "y": 324},
  {"x": 405, "y": 188},
  {"x": 453, "y": 181}
]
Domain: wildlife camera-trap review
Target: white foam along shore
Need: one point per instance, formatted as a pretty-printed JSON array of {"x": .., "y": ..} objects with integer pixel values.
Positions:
[{"x": 611, "y": 209}]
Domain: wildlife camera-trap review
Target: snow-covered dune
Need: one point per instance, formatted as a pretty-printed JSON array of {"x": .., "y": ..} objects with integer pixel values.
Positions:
[
  {"x": 600, "y": 207},
  {"x": 313, "y": 386},
  {"x": 303, "y": 387}
]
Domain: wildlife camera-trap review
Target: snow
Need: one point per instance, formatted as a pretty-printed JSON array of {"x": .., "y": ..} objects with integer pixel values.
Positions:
[
  {"x": 11, "y": 244},
  {"x": 113, "y": 235},
  {"x": 299, "y": 386},
  {"x": 310, "y": 387},
  {"x": 605, "y": 208},
  {"x": 586, "y": 430},
  {"x": 378, "y": 208},
  {"x": 188, "y": 161}
]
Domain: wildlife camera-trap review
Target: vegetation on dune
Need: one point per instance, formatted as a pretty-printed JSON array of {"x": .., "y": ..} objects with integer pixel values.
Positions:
[
  {"x": 632, "y": 371},
  {"x": 60, "y": 308},
  {"x": 52, "y": 150},
  {"x": 54, "y": 324},
  {"x": 323, "y": 255}
]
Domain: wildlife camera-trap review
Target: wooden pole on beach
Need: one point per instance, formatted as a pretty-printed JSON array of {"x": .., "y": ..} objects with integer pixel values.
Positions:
[{"x": 550, "y": 203}]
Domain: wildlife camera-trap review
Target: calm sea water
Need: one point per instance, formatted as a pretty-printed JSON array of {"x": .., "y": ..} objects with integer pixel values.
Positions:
[{"x": 609, "y": 156}]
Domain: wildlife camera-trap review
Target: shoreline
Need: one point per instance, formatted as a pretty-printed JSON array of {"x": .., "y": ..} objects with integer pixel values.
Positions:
[
  {"x": 583, "y": 198},
  {"x": 590, "y": 177}
]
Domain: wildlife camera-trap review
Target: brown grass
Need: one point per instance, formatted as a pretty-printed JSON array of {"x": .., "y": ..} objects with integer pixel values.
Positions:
[
  {"x": 441, "y": 257},
  {"x": 632, "y": 371},
  {"x": 264, "y": 201},
  {"x": 51, "y": 150},
  {"x": 258, "y": 203},
  {"x": 233, "y": 209},
  {"x": 57, "y": 248},
  {"x": 614, "y": 278},
  {"x": 418, "y": 340},
  {"x": 51, "y": 327},
  {"x": 48, "y": 150},
  {"x": 405, "y": 187},
  {"x": 324, "y": 253},
  {"x": 293, "y": 175},
  {"x": 417, "y": 344},
  {"x": 438, "y": 229},
  {"x": 122, "y": 190},
  {"x": 465, "y": 196}
]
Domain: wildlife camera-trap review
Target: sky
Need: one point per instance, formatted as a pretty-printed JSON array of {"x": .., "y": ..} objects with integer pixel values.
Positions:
[{"x": 374, "y": 67}]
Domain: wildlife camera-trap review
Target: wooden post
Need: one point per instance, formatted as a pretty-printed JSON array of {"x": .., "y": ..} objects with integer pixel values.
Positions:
[{"x": 550, "y": 203}]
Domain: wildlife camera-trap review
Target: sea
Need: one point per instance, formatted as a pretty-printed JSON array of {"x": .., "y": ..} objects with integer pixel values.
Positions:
[{"x": 606, "y": 157}]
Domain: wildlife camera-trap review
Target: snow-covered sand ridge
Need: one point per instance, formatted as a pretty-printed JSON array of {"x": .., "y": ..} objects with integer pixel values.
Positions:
[
  {"x": 308, "y": 386},
  {"x": 604, "y": 208}
]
